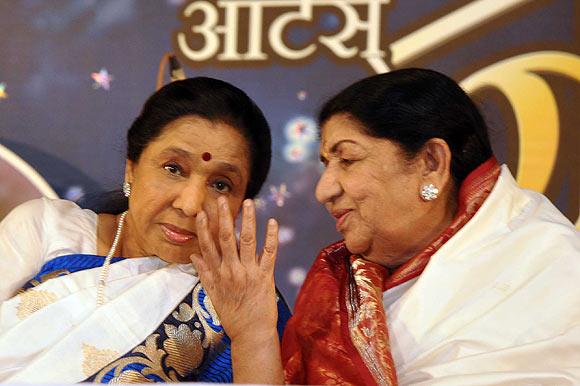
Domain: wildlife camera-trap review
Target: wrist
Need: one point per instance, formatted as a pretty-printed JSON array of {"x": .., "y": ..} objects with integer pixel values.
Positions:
[
  {"x": 252, "y": 351},
  {"x": 251, "y": 337}
]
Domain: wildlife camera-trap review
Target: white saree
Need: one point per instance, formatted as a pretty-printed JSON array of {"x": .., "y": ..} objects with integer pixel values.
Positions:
[
  {"x": 498, "y": 304},
  {"x": 68, "y": 338}
]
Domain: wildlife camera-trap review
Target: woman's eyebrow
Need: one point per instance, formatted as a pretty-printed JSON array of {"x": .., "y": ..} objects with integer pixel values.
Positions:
[
  {"x": 324, "y": 155},
  {"x": 335, "y": 147},
  {"x": 226, "y": 166},
  {"x": 177, "y": 151}
]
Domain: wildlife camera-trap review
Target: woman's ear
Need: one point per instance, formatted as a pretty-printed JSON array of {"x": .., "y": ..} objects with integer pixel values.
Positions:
[
  {"x": 436, "y": 157},
  {"x": 129, "y": 171}
]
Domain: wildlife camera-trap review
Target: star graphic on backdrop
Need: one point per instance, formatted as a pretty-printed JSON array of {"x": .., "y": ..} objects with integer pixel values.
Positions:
[
  {"x": 3, "y": 94},
  {"x": 279, "y": 194},
  {"x": 102, "y": 79}
]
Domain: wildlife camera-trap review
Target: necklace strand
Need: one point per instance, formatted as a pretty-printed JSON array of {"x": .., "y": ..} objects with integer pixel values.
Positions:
[{"x": 107, "y": 263}]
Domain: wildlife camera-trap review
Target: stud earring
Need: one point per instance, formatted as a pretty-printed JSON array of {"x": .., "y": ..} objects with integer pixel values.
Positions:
[
  {"x": 126, "y": 189},
  {"x": 429, "y": 192}
]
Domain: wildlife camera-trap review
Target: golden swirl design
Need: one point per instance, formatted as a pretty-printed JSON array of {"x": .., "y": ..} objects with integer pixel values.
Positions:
[{"x": 538, "y": 128}]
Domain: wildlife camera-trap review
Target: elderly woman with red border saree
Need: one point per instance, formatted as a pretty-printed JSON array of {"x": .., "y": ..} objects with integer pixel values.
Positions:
[{"x": 449, "y": 273}]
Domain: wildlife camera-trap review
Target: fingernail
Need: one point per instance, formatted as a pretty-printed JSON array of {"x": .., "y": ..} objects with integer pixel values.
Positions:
[
  {"x": 247, "y": 203},
  {"x": 201, "y": 216},
  {"x": 271, "y": 222}
]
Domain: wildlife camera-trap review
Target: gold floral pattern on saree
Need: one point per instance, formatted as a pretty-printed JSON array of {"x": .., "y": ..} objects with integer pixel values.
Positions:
[
  {"x": 332, "y": 378},
  {"x": 94, "y": 358},
  {"x": 176, "y": 350},
  {"x": 151, "y": 359},
  {"x": 184, "y": 348},
  {"x": 367, "y": 322},
  {"x": 32, "y": 301},
  {"x": 184, "y": 313}
]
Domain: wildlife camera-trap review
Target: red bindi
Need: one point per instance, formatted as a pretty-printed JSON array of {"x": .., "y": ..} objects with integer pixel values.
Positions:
[{"x": 206, "y": 156}]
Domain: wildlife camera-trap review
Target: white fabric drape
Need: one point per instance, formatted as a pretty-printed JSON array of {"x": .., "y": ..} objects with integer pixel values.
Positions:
[
  {"x": 498, "y": 304},
  {"x": 54, "y": 332}
]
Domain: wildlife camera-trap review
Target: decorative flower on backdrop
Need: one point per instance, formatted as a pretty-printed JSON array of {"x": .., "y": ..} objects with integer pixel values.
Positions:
[
  {"x": 296, "y": 152},
  {"x": 102, "y": 79},
  {"x": 301, "y": 129},
  {"x": 301, "y": 134},
  {"x": 279, "y": 194}
]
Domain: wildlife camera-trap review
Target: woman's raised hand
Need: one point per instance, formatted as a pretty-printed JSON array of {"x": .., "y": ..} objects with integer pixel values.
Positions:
[{"x": 240, "y": 284}]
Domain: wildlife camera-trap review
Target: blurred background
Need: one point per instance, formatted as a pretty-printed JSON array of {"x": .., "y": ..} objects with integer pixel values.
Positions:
[{"x": 75, "y": 73}]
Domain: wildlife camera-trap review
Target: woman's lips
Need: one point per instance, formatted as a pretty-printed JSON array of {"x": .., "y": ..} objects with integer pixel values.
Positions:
[
  {"x": 176, "y": 235},
  {"x": 340, "y": 218}
]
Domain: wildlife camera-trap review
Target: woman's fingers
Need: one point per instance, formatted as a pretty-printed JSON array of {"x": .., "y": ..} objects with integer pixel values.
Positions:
[
  {"x": 248, "y": 234},
  {"x": 240, "y": 285},
  {"x": 227, "y": 236},
  {"x": 201, "y": 267},
  {"x": 268, "y": 258},
  {"x": 209, "y": 252}
]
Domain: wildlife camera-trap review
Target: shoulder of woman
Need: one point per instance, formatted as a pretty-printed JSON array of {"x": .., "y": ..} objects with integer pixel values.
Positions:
[
  {"x": 42, "y": 229},
  {"x": 43, "y": 217},
  {"x": 24, "y": 242},
  {"x": 41, "y": 208},
  {"x": 26, "y": 212}
]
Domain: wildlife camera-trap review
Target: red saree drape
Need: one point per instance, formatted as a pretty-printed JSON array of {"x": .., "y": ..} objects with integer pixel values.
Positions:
[{"x": 338, "y": 334}]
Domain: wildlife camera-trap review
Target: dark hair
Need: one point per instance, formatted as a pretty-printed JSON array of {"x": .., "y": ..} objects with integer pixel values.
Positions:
[
  {"x": 411, "y": 106},
  {"x": 208, "y": 98}
]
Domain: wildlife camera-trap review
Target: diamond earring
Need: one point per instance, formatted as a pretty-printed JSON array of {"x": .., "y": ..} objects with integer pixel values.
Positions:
[
  {"x": 429, "y": 192},
  {"x": 126, "y": 189}
]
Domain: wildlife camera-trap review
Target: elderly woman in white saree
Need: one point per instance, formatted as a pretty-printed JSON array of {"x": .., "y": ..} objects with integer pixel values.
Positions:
[{"x": 104, "y": 297}]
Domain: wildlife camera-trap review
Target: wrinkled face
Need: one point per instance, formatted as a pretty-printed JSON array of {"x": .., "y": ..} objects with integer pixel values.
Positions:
[
  {"x": 184, "y": 170},
  {"x": 372, "y": 191}
]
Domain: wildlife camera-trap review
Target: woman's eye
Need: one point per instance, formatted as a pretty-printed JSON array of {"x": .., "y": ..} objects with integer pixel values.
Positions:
[
  {"x": 346, "y": 162},
  {"x": 222, "y": 186},
  {"x": 173, "y": 169}
]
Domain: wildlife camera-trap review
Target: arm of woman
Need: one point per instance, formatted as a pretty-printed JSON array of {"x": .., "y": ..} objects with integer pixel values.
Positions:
[
  {"x": 20, "y": 246},
  {"x": 240, "y": 284}
]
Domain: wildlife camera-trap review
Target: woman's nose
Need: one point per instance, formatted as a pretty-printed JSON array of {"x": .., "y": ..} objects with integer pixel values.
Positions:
[
  {"x": 191, "y": 197},
  {"x": 328, "y": 187}
]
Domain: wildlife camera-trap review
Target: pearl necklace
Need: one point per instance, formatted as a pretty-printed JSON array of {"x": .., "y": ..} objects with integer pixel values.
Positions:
[{"x": 107, "y": 263}]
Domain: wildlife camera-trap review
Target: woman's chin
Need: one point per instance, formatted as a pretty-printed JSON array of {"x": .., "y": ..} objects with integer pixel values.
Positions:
[
  {"x": 179, "y": 256},
  {"x": 176, "y": 259},
  {"x": 356, "y": 246}
]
